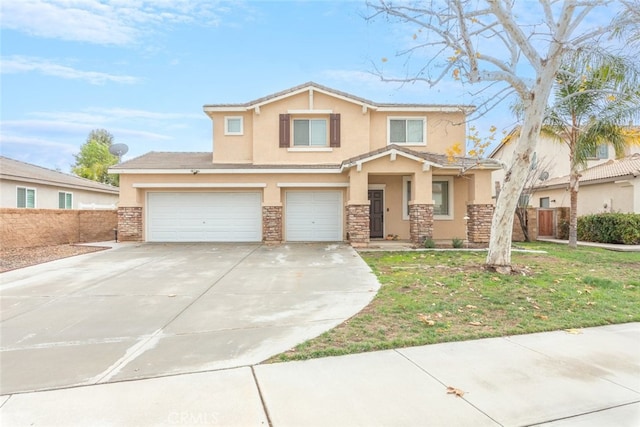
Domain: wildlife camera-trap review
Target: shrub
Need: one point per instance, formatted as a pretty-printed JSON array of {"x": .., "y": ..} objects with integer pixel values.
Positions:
[
  {"x": 610, "y": 228},
  {"x": 457, "y": 243},
  {"x": 429, "y": 243}
]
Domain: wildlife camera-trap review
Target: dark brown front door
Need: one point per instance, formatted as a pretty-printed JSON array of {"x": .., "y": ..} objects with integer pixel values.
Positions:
[
  {"x": 545, "y": 222},
  {"x": 376, "y": 214}
]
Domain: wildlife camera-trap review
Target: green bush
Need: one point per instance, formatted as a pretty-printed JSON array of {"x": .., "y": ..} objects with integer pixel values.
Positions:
[
  {"x": 457, "y": 243},
  {"x": 610, "y": 228},
  {"x": 429, "y": 243}
]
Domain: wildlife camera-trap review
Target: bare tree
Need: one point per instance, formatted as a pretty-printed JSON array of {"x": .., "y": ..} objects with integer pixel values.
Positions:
[{"x": 515, "y": 51}]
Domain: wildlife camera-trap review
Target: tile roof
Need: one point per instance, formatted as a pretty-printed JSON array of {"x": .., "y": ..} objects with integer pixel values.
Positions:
[
  {"x": 16, "y": 170},
  {"x": 155, "y": 160},
  {"x": 308, "y": 85},
  {"x": 610, "y": 170}
]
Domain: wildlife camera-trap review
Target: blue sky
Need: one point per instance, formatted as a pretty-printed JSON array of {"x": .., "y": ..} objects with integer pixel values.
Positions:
[{"x": 143, "y": 69}]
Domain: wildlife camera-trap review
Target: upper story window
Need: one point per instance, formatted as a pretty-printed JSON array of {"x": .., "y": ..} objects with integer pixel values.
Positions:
[
  {"x": 26, "y": 197},
  {"x": 407, "y": 130},
  {"x": 65, "y": 200},
  {"x": 601, "y": 152},
  {"x": 233, "y": 125},
  {"x": 309, "y": 132}
]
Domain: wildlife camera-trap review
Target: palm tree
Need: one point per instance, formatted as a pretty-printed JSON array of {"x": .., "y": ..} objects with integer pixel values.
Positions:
[{"x": 594, "y": 102}]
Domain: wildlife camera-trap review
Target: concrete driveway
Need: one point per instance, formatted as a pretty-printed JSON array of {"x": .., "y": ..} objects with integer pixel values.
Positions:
[{"x": 150, "y": 310}]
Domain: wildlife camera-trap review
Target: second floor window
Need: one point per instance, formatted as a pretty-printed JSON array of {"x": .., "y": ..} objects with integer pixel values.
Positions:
[
  {"x": 26, "y": 197},
  {"x": 407, "y": 131},
  {"x": 309, "y": 133},
  {"x": 602, "y": 152},
  {"x": 65, "y": 200},
  {"x": 233, "y": 125}
]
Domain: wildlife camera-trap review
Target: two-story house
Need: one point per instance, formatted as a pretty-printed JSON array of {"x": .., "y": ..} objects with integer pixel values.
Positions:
[{"x": 312, "y": 164}]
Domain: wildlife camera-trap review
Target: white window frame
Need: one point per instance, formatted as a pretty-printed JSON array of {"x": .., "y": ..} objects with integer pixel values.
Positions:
[
  {"x": 424, "y": 129},
  {"x": 451, "y": 203},
  {"x": 309, "y": 119},
  {"x": 26, "y": 197},
  {"x": 226, "y": 125},
  {"x": 406, "y": 187},
  {"x": 66, "y": 193}
]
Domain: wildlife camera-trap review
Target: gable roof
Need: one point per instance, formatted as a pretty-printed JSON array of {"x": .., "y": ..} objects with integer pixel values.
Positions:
[
  {"x": 312, "y": 86},
  {"x": 610, "y": 171},
  {"x": 15, "y": 170}
]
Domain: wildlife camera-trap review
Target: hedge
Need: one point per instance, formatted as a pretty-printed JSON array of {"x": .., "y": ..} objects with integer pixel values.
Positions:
[{"x": 610, "y": 228}]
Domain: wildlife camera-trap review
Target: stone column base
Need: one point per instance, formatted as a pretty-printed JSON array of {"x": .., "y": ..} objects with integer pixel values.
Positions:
[
  {"x": 479, "y": 223},
  {"x": 420, "y": 223},
  {"x": 358, "y": 225},
  {"x": 130, "y": 224},
  {"x": 272, "y": 224}
]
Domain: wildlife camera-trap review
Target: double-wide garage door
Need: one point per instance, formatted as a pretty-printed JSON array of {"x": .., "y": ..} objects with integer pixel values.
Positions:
[{"x": 204, "y": 217}]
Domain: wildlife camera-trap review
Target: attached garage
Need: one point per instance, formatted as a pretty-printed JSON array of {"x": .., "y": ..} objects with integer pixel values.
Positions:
[
  {"x": 204, "y": 217},
  {"x": 313, "y": 216}
]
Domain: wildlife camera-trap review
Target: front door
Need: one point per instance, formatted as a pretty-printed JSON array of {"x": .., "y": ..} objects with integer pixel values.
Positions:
[{"x": 376, "y": 214}]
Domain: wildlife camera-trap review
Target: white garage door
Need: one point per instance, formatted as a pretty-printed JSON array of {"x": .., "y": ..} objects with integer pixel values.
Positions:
[
  {"x": 204, "y": 217},
  {"x": 313, "y": 216}
]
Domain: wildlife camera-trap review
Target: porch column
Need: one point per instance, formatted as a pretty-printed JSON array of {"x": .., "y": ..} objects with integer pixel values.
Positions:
[
  {"x": 358, "y": 209},
  {"x": 479, "y": 222},
  {"x": 479, "y": 207},
  {"x": 421, "y": 208}
]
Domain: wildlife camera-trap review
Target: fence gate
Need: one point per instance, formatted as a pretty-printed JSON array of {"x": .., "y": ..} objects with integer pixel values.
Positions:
[{"x": 546, "y": 222}]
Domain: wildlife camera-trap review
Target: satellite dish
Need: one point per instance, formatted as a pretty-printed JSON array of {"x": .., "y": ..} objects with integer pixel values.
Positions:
[
  {"x": 544, "y": 176},
  {"x": 119, "y": 150}
]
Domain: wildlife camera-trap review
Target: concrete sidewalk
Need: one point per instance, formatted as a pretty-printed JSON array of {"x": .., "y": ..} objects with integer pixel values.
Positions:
[
  {"x": 590, "y": 378},
  {"x": 609, "y": 246}
]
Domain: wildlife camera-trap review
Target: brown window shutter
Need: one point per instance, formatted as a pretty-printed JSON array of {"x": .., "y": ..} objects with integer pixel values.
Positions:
[
  {"x": 334, "y": 130},
  {"x": 285, "y": 131}
]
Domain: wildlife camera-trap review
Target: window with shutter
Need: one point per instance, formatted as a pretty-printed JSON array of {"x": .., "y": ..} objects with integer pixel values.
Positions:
[
  {"x": 285, "y": 131},
  {"x": 334, "y": 130}
]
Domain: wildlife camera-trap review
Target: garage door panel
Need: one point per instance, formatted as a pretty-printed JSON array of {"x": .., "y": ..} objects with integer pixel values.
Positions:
[
  {"x": 204, "y": 217},
  {"x": 314, "y": 216}
]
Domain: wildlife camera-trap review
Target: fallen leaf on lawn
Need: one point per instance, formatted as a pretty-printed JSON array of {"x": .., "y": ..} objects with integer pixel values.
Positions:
[
  {"x": 475, "y": 323},
  {"x": 426, "y": 320},
  {"x": 495, "y": 279},
  {"x": 536, "y": 307},
  {"x": 471, "y": 306},
  {"x": 573, "y": 331},
  {"x": 552, "y": 290},
  {"x": 456, "y": 391},
  {"x": 591, "y": 303},
  {"x": 439, "y": 315},
  {"x": 541, "y": 316}
]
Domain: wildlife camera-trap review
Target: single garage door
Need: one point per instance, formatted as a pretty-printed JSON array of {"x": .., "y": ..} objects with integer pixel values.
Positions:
[
  {"x": 204, "y": 217},
  {"x": 313, "y": 216}
]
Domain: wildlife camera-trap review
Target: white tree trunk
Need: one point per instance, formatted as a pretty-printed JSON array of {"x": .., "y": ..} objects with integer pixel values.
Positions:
[{"x": 499, "y": 256}]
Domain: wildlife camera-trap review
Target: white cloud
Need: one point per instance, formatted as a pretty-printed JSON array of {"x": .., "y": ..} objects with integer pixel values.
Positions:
[
  {"x": 23, "y": 64},
  {"x": 107, "y": 22}
]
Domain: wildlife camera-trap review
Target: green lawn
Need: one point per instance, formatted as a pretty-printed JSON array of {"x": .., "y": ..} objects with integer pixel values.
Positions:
[{"x": 429, "y": 297}]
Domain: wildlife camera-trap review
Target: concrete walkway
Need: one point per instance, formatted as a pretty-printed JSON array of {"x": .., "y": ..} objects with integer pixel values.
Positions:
[
  {"x": 609, "y": 246},
  {"x": 588, "y": 378}
]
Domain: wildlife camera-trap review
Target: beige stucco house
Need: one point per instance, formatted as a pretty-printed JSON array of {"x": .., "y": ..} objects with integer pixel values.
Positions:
[
  {"x": 312, "y": 164},
  {"x": 23, "y": 185},
  {"x": 613, "y": 186}
]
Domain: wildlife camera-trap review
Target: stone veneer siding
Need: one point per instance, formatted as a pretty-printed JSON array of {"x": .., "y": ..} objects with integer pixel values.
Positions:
[
  {"x": 130, "y": 224},
  {"x": 479, "y": 223},
  {"x": 272, "y": 224},
  {"x": 358, "y": 225},
  {"x": 420, "y": 223}
]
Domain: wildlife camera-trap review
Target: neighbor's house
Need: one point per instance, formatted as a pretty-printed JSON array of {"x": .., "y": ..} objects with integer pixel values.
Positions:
[
  {"x": 312, "y": 164},
  {"x": 552, "y": 161},
  {"x": 613, "y": 186},
  {"x": 23, "y": 185}
]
